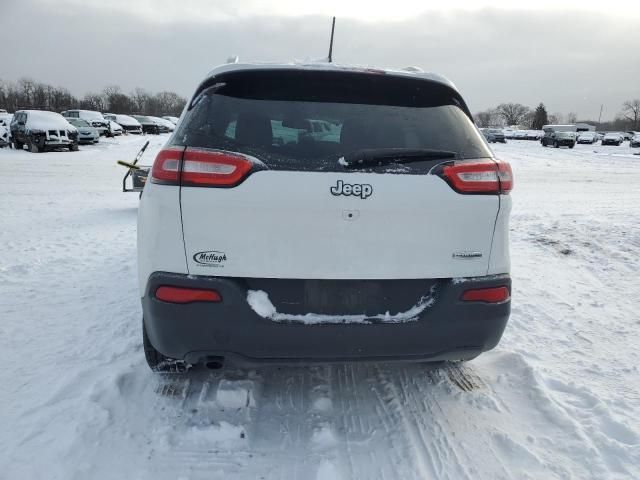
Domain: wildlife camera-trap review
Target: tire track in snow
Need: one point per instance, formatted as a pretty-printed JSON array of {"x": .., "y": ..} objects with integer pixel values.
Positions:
[
  {"x": 362, "y": 425},
  {"x": 426, "y": 393},
  {"x": 427, "y": 460}
]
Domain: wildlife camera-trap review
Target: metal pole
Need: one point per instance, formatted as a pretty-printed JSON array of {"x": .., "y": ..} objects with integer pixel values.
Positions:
[
  {"x": 600, "y": 116},
  {"x": 333, "y": 27}
]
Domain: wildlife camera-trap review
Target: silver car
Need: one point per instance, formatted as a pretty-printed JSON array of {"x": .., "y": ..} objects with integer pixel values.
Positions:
[{"x": 86, "y": 133}]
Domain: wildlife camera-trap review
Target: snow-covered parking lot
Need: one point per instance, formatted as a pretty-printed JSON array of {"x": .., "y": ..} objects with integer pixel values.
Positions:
[{"x": 558, "y": 398}]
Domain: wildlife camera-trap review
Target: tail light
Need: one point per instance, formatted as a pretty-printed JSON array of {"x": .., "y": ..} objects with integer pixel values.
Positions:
[
  {"x": 203, "y": 168},
  {"x": 166, "y": 167},
  {"x": 487, "y": 295},
  {"x": 199, "y": 168},
  {"x": 478, "y": 176},
  {"x": 186, "y": 295}
]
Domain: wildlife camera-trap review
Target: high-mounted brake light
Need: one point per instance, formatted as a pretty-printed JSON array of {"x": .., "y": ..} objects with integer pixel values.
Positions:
[
  {"x": 166, "y": 167},
  {"x": 186, "y": 295},
  {"x": 479, "y": 176},
  {"x": 487, "y": 295},
  {"x": 203, "y": 168}
]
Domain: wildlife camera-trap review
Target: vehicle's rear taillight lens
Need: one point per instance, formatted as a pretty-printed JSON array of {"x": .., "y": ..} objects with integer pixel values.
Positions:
[
  {"x": 166, "y": 167},
  {"x": 505, "y": 175},
  {"x": 479, "y": 176},
  {"x": 203, "y": 168},
  {"x": 186, "y": 295},
  {"x": 487, "y": 295}
]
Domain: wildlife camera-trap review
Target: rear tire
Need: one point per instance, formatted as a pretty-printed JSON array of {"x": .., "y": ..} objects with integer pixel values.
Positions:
[
  {"x": 556, "y": 145},
  {"x": 18, "y": 145},
  {"x": 73, "y": 147},
  {"x": 157, "y": 361}
]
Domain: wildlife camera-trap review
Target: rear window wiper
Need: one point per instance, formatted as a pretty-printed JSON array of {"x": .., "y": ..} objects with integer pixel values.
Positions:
[{"x": 385, "y": 156}]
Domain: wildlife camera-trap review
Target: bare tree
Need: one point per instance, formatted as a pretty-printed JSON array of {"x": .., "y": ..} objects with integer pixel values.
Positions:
[
  {"x": 512, "y": 113},
  {"x": 140, "y": 98},
  {"x": 26, "y": 87},
  {"x": 572, "y": 117},
  {"x": 486, "y": 118},
  {"x": 631, "y": 111},
  {"x": 556, "y": 118},
  {"x": 29, "y": 94},
  {"x": 93, "y": 101}
]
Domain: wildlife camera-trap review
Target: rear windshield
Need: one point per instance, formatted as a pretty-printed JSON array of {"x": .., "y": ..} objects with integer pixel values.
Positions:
[{"x": 307, "y": 120}]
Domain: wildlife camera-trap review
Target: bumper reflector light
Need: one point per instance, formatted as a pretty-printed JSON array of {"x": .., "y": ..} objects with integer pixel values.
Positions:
[
  {"x": 186, "y": 295},
  {"x": 487, "y": 295}
]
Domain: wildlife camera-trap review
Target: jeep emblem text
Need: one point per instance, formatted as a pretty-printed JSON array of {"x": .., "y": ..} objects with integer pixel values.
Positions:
[{"x": 363, "y": 190}]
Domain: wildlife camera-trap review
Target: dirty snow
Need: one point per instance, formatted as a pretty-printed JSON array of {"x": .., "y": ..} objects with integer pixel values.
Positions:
[
  {"x": 260, "y": 303},
  {"x": 559, "y": 397}
]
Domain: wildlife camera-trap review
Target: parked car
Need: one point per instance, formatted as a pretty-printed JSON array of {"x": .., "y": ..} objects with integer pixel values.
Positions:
[
  {"x": 173, "y": 120},
  {"x": 345, "y": 286},
  {"x": 4, "y": 136},
  {"x": 5, "y": 121},
  {"x": 588, "y": 137},
  {"x": 148, "y": 125},
  {"x": 115, "y": 129},
  {"x": 41, "y": 131},
  {"x": 508, "y": 133},
  {"x": 494, "y": 135},
  {"x": 534, "y": 134},
  {"x": 612, "y": 138},
  {"x": 520, "y": 135},
  {"x": 86, "y": 133},
  {"x": 558, "y": 139},
  {"x": 128, "y": 124},
  {"x": 635, "y": 141},
  {"x": 165, "y": 125},
  {"x": 94, "y": 118}
]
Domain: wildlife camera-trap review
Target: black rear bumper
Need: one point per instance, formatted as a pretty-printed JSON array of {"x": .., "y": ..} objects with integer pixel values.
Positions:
[{"x": 449, "y": 329}]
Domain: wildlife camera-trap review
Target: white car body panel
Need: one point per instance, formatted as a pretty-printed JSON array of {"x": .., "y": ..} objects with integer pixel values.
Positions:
[
  {"x": 160, "y": 245},
  {"x": 500, "y": 259},
  {"x": 280, "y": 224}
]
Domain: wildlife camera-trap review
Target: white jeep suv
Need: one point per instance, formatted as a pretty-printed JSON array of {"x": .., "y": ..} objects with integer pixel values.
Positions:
[{"x": 385, "y": 239}]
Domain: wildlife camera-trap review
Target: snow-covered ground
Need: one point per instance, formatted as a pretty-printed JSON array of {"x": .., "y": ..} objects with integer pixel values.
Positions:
[{"x": 558, "y": 398}]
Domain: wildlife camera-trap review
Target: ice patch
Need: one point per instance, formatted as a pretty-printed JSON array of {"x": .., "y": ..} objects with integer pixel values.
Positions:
[
  {"x": 221, "y": 434},
  {"x": 261, "y": 304},
  {"x": 322, "y": 404},
  {"x": 323, "y": 437},
  {"x": 327, "y": 471},
  {"x": 235, "y": 394}
]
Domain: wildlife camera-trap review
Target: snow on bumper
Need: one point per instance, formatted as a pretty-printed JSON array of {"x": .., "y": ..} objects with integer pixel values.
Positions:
[
  {"x": 439, "y": 327},
  {"x": 260, "y": 303}
]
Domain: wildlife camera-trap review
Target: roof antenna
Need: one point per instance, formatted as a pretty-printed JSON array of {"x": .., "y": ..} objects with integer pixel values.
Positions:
[{"x": 333, "y": 27}]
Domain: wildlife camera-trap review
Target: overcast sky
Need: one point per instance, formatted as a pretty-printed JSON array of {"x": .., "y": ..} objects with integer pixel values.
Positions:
[{"x": 572, "y": 55}]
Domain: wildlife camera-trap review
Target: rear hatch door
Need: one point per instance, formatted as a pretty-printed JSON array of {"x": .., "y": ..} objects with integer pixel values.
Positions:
[{"x": 302, "y": 213}]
